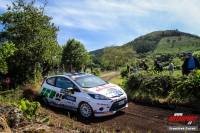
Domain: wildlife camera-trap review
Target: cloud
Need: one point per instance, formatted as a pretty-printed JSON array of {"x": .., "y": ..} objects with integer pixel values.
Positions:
[
  {"x": 92, "y": 15},
  {"x": 98, "y": 23}
]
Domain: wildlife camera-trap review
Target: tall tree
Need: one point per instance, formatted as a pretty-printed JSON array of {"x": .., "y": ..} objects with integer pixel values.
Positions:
[
  {"x": 118, "y": 56},
  {"x": 6, "y": 50},
  {"x": 75, "y": 54},
  {"x": 33, "y": 35}
]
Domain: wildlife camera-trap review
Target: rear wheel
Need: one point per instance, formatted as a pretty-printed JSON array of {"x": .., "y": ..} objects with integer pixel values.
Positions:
[
  {"x": 85, "y": 110},
  {"x": 45, "y": 101}
]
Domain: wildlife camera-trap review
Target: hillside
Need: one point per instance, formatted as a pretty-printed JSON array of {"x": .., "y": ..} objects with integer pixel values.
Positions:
[
  {"x": 165, "y": 41},
  {"x": 168, "y": 41},
  {"x": 177, "y": 44},
  {"x": 96, "y": 55}
]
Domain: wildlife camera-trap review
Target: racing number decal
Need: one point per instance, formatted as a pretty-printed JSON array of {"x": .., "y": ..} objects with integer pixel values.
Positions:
[
  {"x": 48, "y": 93},
  {"x": 58, "y": 96}
]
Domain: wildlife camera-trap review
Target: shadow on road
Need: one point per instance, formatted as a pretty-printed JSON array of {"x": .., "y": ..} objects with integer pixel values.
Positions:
[{"x": 77, "y": 117}]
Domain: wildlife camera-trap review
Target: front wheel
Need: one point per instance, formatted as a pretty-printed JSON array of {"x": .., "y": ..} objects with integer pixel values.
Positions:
[{"x": 85, "y": 110}]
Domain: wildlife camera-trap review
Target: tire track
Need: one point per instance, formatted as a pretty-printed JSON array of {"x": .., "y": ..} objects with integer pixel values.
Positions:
[{"x": 109, "y": 77}]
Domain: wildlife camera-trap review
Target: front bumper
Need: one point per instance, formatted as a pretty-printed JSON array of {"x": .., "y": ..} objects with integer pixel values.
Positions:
[{"x": 108, "y": 107}]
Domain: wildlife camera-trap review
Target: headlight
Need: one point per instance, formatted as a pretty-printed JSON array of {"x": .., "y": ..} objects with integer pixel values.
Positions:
[{"x": 99, "y": 97}]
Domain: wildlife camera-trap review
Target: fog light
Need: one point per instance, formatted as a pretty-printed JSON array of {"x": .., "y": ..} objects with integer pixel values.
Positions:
[{"x": 101, "y": 108}]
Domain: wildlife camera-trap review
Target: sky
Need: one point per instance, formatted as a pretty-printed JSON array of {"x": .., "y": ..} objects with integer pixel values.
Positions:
[{"x": 100, "y": 23}]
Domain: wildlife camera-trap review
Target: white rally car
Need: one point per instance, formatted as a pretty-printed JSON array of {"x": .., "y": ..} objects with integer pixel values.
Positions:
[{"x": 83, "y": 92}]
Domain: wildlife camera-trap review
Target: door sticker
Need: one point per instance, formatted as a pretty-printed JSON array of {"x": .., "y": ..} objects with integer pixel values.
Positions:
[
  {"x": 58, "y": 96},
  {"x": 70, "y": 98},
  {"x": 48, "y": 93}
]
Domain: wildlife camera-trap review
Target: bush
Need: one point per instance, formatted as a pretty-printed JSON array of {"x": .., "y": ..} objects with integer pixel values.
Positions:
[
  {"x": 124, "y": 72},
  {"x": 181, "y": 89},
  {"x": 30, "y": 109},
  {"x": 178, "y": 67},
  {"x": 97, "y": 71}
]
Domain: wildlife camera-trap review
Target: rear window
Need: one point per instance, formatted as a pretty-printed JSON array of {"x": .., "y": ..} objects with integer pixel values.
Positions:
[{"x": 51, "y": 80}]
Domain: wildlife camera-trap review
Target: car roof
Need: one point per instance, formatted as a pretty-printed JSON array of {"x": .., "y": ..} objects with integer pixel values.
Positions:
[
  {"x": 72, "y": 75},
  {"x": 77, "y": 74}
]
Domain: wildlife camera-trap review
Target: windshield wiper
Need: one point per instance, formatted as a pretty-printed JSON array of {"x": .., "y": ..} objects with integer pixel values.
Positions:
[{"x": 103, "y": 84}]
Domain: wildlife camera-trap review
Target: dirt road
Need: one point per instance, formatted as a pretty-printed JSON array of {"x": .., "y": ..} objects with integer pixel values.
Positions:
[
  {"x": 136, "y": 117},
  {"x": 109, "y": 77}
]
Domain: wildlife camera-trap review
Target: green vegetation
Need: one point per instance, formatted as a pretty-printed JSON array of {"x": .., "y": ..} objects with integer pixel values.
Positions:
[
  {"x": 75, "y": 54},
  {"x": 124, "y": 72},
  {"x": 34, "y": 36},
  {"x": 151, "y": 41},
  {"x": 158, "y": 44},
  {"x": 97, "y": 71},
  {"x": 30, "y": 109},
  {"x": 114, "y": 57},
  {"x": 103, "y": 74},
  {"x": 6, "y": 50},
  {"x": 9, "y": 96},
  {"x": 29, "y": 38},
  {"x": 96, "y": 56},
  {"x": 178, "y": 44},
  {"x": 164, "y": 89},
  {"x": 116, "y": 80}
]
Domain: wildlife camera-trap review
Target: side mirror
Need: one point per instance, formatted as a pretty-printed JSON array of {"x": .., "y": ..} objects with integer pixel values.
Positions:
[{"x": 70, "y": 89}]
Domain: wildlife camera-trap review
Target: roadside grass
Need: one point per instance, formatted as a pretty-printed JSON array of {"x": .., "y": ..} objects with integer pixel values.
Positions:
[
  {"x": 178, "y": 72},
  {"x": 9, "y": 96},
  {"x": 103, "y": 74},
  {"x": 116, "y": 80}
]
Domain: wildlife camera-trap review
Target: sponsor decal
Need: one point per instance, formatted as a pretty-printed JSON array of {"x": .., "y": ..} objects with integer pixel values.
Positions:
[
  {"x": 114, "y": 91},
  {"x": 104, "y": 87},
  {"x": 105, "y": 113},
  {"x": 68, "y": 106},
  {"x": 47, "y": 93},
  {"x": 68, "y": 102},
  {"x": 61, "y": 96},
  {"x": 70, "y": 98},
  {"x": 120, "y": 98},
  {"x": 85, "y": 90},
  {"x": 102, "y": 104}
]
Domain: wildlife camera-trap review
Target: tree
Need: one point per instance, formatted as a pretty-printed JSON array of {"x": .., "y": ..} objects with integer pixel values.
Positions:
[
  {"x": 118, "y": 56},
  {"x": 75, "y": 54},
  {"x": 6, "y": 50},
  {"x": 33, "y": 35}
]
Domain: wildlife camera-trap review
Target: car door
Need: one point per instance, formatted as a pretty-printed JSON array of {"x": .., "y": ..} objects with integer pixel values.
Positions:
[
  {"x": 67, "y": 99},
  {"x": 49, "y": 90}
]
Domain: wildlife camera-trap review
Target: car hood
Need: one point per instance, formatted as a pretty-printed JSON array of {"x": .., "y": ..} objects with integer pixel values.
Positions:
[{"x": 109, "y": 90}]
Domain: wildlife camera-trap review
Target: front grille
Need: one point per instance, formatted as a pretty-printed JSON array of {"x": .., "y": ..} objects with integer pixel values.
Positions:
[{"x": 116, "y": 107}]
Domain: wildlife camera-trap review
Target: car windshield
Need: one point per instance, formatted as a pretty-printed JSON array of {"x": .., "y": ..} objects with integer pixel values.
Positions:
[{"x": 89, "y": 81}]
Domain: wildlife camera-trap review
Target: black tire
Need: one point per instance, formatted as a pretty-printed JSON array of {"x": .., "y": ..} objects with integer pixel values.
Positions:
[
  {"x": 85, "y": 110},
  {"x": 45, "y": 101}
]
